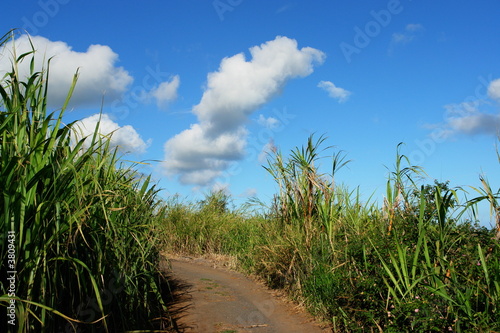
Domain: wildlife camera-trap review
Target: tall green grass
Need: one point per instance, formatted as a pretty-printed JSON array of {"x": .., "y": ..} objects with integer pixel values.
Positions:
[
  {"x": 211, "y": 226},
  {"x": 415, "y": 263},
  {"x": 84, "y": 222}
]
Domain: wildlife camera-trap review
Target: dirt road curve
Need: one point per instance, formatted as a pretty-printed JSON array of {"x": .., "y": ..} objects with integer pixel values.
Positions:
[{"x": 219, "y": 300}]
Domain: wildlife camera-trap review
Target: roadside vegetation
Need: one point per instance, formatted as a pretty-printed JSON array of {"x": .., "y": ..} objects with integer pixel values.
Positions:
[
  {"x": 418, "y": 263},
  {"x": 89, "y": 229},
  {"x": 84, "y": 249}
]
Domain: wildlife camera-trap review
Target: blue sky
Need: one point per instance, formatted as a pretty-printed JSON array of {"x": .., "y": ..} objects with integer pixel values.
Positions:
[{"x": 204, "y": 87}]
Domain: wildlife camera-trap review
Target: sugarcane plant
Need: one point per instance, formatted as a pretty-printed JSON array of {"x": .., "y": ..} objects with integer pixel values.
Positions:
[{"x": 77, "y": 225}]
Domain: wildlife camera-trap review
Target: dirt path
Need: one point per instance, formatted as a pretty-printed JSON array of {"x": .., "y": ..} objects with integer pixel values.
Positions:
[{"x": 219, "y": 300}]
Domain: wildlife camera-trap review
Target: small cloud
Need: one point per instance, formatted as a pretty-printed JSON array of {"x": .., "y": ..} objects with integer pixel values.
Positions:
[
  {"x": 476, "y": 123},
  {"x": 469, "y": 118},
  {"x": 414, "y": 27},
  {"x": 270, "y": 122},
  {"x": 401, "y": 38},
  {"x": 405, "y": 37},
  {"x": 494, "y": 90},
  {"x": 125, "y": 137},
  {"x": 248, "y": 193},
  {"x": 335, "y": 92},
  {"x": 466, "y": 118},
  {"x": 166, "y": 92}
]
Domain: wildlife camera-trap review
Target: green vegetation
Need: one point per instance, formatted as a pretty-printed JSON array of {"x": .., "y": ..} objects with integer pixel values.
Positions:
[
  {"x": 88, "y": 229},
  {"x": 415, "y": 264},
  {"x": 84, "y": 223}
]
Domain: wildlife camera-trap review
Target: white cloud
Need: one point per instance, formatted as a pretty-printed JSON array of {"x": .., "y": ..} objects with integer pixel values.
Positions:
[
  {"x": 494, "y": 89},
  {"x": 269, "y": 122},
  {"x": 248, "y": 193},
  {"x": 414, "y": 27},
  {"x": 467, "y": 118},
  {"x": 198, "y": 158},
  {"x": 470, "y": 118},
  {"x": 478, "y": 123},
  {"x": 199, "y": 154},
  {"x": 405, "y": 37},
  {"x": 335, "y": 92},
  {"x": 98, "y": 73},
  {"x": 166, "y": 92},
  {"x": 124, "y": 137},
  {"x": 401, "y": 38}
]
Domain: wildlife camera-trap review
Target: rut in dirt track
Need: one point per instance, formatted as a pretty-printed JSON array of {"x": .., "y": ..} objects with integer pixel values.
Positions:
[{"x": 219, "y": 300}]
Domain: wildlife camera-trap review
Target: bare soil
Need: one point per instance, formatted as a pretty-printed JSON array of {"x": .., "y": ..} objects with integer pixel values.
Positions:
[{"x": 210, "y": 298}]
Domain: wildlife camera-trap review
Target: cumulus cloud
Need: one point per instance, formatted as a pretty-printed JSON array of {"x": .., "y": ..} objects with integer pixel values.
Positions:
[
  {"x": 98, "y": 73},
  {"x": 335, "y": 92},
  {"x": 200, "y": 154},
  {"x": 124, "y": 137},
  {"x": 166, "y": 92}
]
